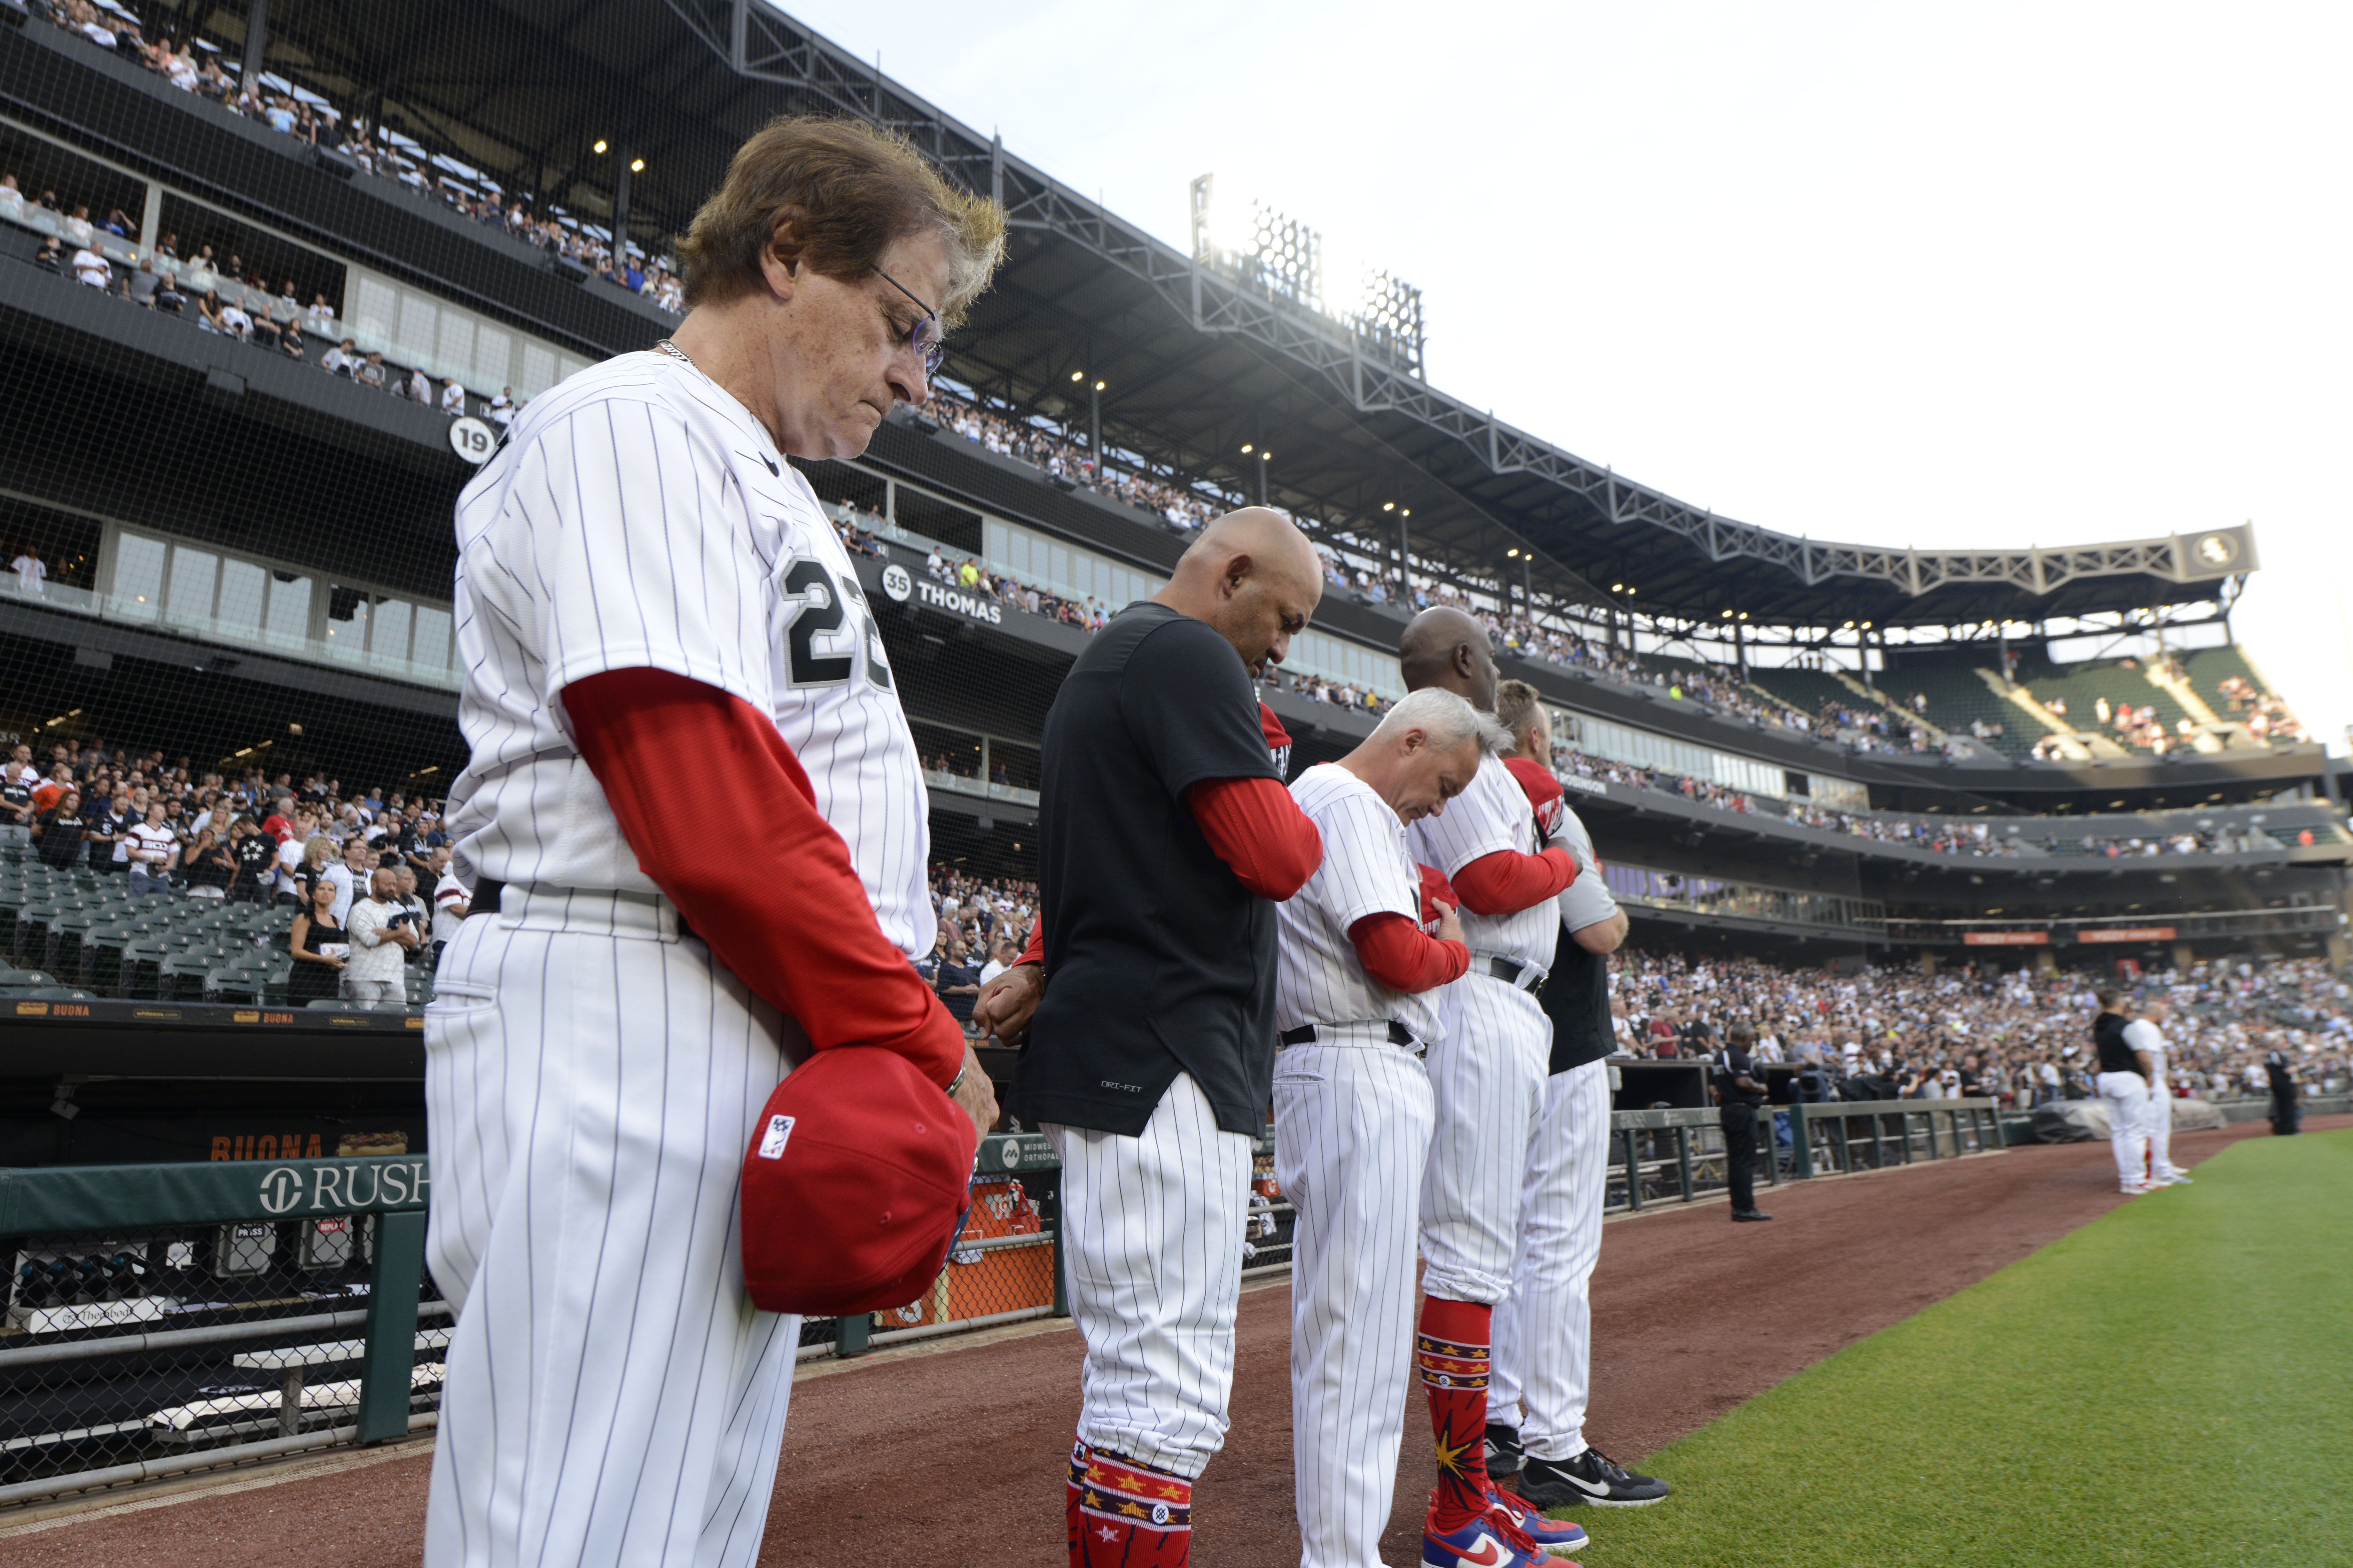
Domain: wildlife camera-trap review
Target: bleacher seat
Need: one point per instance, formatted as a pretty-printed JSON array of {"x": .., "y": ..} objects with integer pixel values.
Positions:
[{"x": 1957, "y": 696}]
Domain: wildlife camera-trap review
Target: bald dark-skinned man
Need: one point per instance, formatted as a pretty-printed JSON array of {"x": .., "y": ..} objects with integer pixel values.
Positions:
[
  {"x": 1488, "y": 1075},
  {"x": 1164, "y": 839}
]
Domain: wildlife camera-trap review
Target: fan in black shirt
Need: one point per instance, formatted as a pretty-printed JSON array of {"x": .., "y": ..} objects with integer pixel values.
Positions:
[
  {"x": 58, "y": 839},
  {"x": 257, "y": 856}
]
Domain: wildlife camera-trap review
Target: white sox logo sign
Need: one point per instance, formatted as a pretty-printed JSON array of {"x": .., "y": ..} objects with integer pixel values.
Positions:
[{"x": 340, "y": 1189}]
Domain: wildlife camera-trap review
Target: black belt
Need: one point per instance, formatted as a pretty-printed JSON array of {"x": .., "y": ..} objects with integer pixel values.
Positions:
[
  {"x": 1509, "y": 969},
  {"x": 485, "y": 901},
  {"x": 1305, "y": 1034}
]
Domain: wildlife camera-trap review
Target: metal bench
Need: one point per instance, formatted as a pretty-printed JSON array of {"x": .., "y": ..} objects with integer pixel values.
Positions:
[{"x": 294, "y": 1363}]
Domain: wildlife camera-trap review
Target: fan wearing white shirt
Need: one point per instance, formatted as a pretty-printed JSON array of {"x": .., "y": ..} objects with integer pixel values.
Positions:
[
  {"x": 91, "y": 267},
  {"x": 30, "y": 573}
]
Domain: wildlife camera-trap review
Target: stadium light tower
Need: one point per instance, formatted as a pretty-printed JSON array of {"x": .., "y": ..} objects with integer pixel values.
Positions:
[
  {"x": 1279, "y": 257},
  {"x": 1264, "y": 250}
]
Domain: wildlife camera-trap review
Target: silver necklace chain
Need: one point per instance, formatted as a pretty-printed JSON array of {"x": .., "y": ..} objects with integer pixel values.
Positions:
[{"x": 680, "y": 354}]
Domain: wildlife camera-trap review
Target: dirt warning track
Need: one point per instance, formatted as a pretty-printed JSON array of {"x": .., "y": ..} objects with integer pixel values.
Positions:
[{"x": 961, "y": 1449}]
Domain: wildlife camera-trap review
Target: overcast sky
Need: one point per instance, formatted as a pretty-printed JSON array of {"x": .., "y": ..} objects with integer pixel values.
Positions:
[{"x": 1883, "y": 273}]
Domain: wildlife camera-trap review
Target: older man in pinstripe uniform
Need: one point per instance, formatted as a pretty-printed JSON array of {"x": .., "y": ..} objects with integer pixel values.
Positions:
[{"x": 1353, "y": 1109}]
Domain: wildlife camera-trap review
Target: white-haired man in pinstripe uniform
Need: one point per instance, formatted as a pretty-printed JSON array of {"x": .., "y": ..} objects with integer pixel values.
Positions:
[{"x": 1358, "y": 965}]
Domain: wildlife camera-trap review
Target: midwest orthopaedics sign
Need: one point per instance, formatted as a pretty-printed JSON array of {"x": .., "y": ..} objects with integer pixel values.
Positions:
[
  {"x": 2006, "y": 939},
  {"x": 2127, "y": 933}
]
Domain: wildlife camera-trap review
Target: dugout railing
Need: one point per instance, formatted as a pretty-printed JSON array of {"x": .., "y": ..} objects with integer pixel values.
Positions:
[{"x": 162, "y": 1319}]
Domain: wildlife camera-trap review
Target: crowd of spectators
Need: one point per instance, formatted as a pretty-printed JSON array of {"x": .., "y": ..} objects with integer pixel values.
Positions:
[
  {"x": 2021, "y": 1036},
  {"x": 223, "y": 295},
  {"x": 202, "y": 68},
  {"x": 2263, "y": 713},
  {"x": 1182, "y": 509},
  {"x": 973, "y": 576},
  {"x": 1941, "y": 834},
  {"x": 2138, "y": 727},
  {"x": 361, "y": 875},
  {"x": 984, "y": 924}
]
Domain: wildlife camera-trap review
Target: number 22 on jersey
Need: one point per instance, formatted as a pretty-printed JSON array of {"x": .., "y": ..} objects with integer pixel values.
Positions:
[{"x": 830, "y": 635}]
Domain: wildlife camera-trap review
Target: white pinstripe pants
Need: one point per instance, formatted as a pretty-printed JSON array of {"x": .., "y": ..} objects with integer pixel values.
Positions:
[
  {"x": 1544, "y": 1331},
  {"x": 2157, "y": 1124},
  {"x": 612, "y": 1396},
  {"x": 1153, "y": 1240},
  {"x": 1488, "y": 1075},
  {"x": 1352, "y": 1124}
]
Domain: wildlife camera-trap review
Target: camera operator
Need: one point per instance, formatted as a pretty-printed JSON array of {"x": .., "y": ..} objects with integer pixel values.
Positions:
[
  {"x": 382, "y": 934},
  {"x": 1734, "y": 1087}
]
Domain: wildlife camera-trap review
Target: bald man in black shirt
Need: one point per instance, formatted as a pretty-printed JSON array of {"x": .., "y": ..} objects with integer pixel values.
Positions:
[{"x": 1166, "y": 836}]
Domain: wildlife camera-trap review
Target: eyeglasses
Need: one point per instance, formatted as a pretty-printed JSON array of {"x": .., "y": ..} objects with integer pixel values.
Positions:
[{"x": 926, "y": 337}]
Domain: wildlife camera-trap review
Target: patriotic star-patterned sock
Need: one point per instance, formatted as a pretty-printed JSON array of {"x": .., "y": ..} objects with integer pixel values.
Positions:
[
  {"x": 1450, "y": 1349},
  {"x": 1123, "y": 1513}
]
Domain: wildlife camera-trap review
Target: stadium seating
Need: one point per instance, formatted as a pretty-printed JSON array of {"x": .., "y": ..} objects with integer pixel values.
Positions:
[
  {"x": 85, "y": 929},
  {"x": 1957, "y": 700}
]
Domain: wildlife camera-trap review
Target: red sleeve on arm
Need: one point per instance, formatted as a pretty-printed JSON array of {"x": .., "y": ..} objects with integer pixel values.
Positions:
[
  {"x": 1035, "y": 952},
  {"x": 1259, "y": 831},
  {"x": 1507, "y": 882},
  {"x": 1396, "y": 954},
  {"x": 778, "y": 901}
]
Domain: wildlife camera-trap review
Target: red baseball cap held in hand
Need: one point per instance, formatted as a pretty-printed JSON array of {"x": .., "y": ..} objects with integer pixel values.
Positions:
[{"x": 855, "y": 1186}]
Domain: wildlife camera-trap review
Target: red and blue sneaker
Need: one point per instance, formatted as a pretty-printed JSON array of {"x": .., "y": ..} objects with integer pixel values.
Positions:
[
  {"x": 1489, "y": 1541},
  {"x": 1557, "y": 1536}
]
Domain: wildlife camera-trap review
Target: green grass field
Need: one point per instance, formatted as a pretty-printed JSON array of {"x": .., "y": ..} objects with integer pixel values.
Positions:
[{"x": 2172, "y": 1384}]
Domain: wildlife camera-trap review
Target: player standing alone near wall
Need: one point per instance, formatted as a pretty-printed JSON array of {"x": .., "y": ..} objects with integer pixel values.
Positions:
[
  {"x": 1165, "y": 838},
  {"x": 1542, "y": 1368},
  {"x": 643, "y": 577}
]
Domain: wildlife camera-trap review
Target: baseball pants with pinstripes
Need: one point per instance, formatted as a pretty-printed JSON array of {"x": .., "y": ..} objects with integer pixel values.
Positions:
[
  {"x": 1351, "y": 1123},
  {"x": 1488, "y": 1076},
  {"x": 1543, "y": 1329},
  {"x": 1153, "y": 1241},
  {"x": 612, "y": 1396}
]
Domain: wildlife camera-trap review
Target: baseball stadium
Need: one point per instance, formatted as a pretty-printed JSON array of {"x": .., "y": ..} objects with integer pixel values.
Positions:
[{"x": 1891, "y": 845}]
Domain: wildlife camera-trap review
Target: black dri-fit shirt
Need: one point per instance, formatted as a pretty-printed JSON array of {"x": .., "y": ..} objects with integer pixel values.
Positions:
[
  {"x": 1576, "y": 997},
  {"x": 2108, "y": 1037},
  {"x": 1731, "y": 1064},
  {"x": 1157, "y": 959}
]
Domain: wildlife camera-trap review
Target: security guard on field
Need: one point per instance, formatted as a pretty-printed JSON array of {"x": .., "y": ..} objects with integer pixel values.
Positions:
[{"x": 1735, "y": 1087}]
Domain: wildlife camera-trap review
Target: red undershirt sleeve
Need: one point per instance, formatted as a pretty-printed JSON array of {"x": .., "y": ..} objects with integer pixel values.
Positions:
[
  {"x": 1035, "y": 952},
  {"x": 1398, "y": 955},
  {"x": 775, "y": 895},
  {"x": 1507, "y": 882},
  {"x": 1259, "y": 831}
]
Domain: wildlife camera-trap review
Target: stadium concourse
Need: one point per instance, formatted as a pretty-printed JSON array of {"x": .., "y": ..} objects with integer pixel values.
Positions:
[{"x": 1689, "y": 1321}]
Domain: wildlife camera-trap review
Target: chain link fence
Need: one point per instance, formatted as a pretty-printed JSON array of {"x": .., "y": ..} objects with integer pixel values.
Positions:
[
  {"x": 140, "y": 1349},
  {"x": 165, "y": 1319}
]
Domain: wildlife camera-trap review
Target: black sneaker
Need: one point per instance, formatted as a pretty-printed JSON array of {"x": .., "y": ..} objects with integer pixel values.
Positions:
[
  {"x": 1504, "y": 1455},
  {"x": 1589, "y": 1478},
  {"x": 1748, "y": 1216}
]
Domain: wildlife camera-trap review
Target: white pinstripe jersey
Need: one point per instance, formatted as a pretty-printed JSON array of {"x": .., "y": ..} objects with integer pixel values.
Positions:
[
  {"x": 1319, "y": 979},
  {"x": 638, "y": 517},
  {"x": 1492, "y": 814}
]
